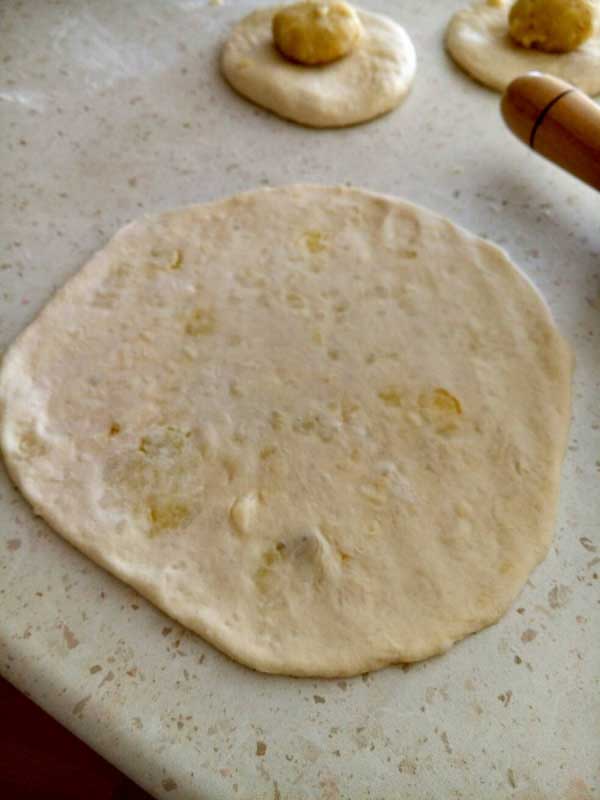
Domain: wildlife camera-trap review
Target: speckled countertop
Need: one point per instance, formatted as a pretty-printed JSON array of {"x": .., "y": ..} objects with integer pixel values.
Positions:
[{"x": 110, "y": 109}]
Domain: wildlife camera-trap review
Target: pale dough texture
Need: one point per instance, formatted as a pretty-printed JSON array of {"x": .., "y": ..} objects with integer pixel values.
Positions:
[
  {"x": 478, "y": 40},
  {"x": 320, "y": 427},
  {"x": 372, "y": 79}
]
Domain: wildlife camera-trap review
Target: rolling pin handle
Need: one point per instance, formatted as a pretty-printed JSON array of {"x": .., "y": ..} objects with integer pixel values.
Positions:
[{"x": 557, "y": 121}]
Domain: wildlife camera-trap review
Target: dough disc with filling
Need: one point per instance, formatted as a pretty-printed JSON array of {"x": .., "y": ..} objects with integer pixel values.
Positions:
[
  {"x": 322, "y": 428},
  {"x": 478, "y": 40},
  {"x": 371, "y": 80}
]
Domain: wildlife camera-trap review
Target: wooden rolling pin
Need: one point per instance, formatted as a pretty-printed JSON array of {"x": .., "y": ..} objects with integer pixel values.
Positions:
[{"x": 556, "y": 120}]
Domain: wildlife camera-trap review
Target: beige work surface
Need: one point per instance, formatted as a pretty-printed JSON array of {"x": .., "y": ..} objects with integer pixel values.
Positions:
[{"x": 111, "y": 109}]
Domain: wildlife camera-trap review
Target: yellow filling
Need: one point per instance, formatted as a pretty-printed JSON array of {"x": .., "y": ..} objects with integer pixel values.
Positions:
[
  {"x": 167, "y": 515},
  {"x": 316, "y": 31},
  {"x": 553, "y": 26}
]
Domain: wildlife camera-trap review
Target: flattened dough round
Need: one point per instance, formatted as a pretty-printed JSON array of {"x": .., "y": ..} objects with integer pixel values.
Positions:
[
  {"x": 320, "y": 427},
  {"x": 478, "y": 40},
  {"x": 372, "y": 79}
]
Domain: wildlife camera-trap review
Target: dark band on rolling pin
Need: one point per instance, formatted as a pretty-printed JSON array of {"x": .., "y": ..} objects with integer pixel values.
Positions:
[{"x": 542, "y": 115}]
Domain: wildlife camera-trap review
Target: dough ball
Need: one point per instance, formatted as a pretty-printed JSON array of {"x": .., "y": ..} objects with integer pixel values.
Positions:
[
  {"x": 370, "y": 80},
  {"x": 554, "y": 26},
  {"x": 479, "y": 40},
  {"x": 316, "y": 32}
]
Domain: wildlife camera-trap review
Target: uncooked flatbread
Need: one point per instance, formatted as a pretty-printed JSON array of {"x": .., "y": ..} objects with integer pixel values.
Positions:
[
  {"x": 478, "y": 40},
  {"x": 320, "y": 427},
  {"x": 372, "y": 79}
]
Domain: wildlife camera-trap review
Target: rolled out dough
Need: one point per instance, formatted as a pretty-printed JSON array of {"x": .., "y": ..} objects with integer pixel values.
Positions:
[
  {"x": 372, "y": 79},
  {"x": 478, "y": 40},
  {"x": 320, "y": 427}
]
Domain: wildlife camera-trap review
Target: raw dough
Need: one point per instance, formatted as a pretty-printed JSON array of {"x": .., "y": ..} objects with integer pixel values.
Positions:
[
  {"x": 371, "y": 80},
  {"x": 322, "y": 428},
  {"x": 478, "y": 40}
]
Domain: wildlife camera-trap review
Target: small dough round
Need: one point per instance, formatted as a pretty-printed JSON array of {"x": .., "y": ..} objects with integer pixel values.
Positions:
[
  {"x": 478, "y": 39},
  {"x": 320, "y": 427},
  {"x": 553, "y": 26},
  {"x": 316, "y": 32},
  {"x": 371, "y": 80}
]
